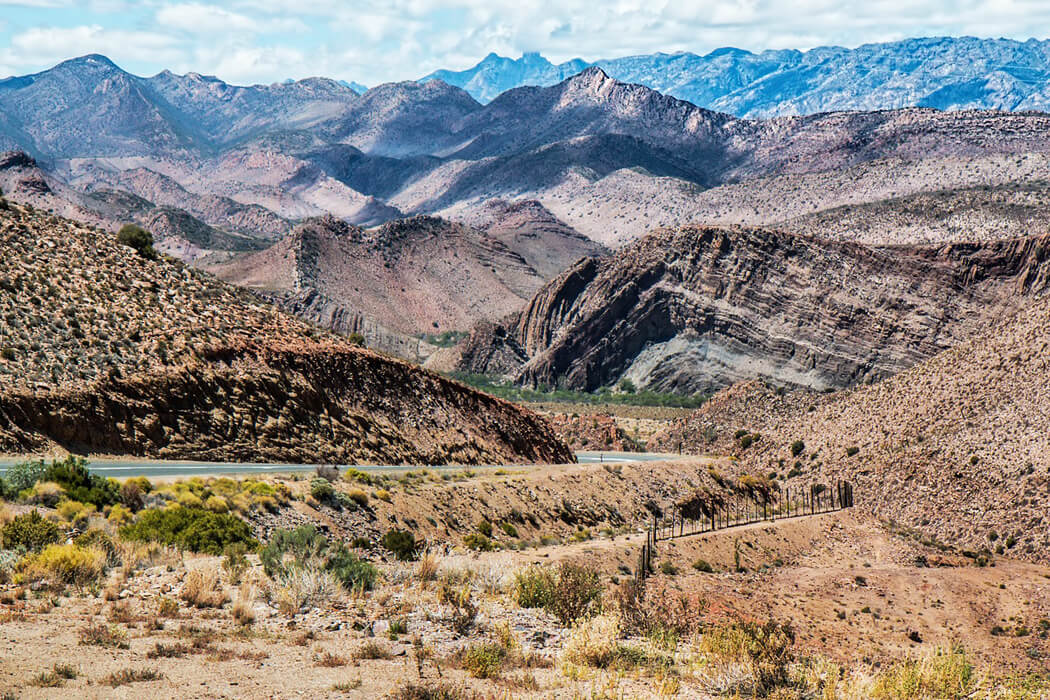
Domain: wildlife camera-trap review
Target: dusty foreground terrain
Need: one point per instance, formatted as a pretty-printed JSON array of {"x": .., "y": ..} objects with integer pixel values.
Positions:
[{"x": 829, "y": 606}]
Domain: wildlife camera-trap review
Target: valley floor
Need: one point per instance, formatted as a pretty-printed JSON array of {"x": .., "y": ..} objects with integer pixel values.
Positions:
[{"x": 854, "y": 593}]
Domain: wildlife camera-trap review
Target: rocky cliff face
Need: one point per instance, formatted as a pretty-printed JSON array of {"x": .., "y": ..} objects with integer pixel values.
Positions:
[
  {"x": 106, "y": 351},
  {"x": 694, "y": 309}
]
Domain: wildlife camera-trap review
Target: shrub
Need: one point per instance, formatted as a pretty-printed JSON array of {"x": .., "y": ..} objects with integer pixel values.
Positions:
[
  {"x": 508, "y": 529},
  {"x": 852, "y": 451},
  {"x": 43, "y": 493},
  {"x": 304, "y": 545},
  {"x": 189, "y": 528},
  {"x": 702, "y": 566},
  {"x": 100, "y": 540},
  {"x": 354, "y": 573},
  {"x": 235, "y": 561},
  {"x": 217, "y": 504},
  {"x": 533, "y": 587},
  {"x": 132, "y": 675},
  {"x": 746, "y": 441},
  {"x": 202, "y": 589},
  {"x": 479, "y": 542},
  {"x": 139, "y": 239},
  {"x": 485, "y": 528},
  {"x": 942, "y": 674},
  {"x": 402, "y": 543},
  {"x": 797, "y": 447},
  {"x": 765, "y": 651},
  {"x": 594, "y": 642},
  {"x": 321, "y": 489},
  {"x": 305, "y": 549},
  {"x": 577, "y": 593},
  {"x": 358, "y": 496},
  {"x": 22, "y": 476},
  {"x": 132, "y": 495},
  {"x": 30, "y": 531},
  {"x": 102, "y": 635},
  {"x": 81, "y": 485},
  {"x": 64, "y": 564},
  {"x": 75, "y": 512},
  {"x": 484, "y": 659},
  {"x": 119, "y": 516}
]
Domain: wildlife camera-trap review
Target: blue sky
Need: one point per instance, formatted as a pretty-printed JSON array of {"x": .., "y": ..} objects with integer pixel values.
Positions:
[{"x": 373, "y": 41}]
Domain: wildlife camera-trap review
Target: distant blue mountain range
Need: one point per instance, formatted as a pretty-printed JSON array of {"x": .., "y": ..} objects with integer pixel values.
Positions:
[{"x": 941, "y": 72}]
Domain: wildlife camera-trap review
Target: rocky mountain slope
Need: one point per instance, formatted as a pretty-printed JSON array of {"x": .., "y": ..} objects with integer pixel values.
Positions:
[
  {"x": 955, "y": 448},
  {"x": 610, "y": 159},
  {"x": 412, "y": 276},
  {"x": 106, "y": 351},
  {"x": 695, "y": 309},
  {"x": 941, "y": 72}
]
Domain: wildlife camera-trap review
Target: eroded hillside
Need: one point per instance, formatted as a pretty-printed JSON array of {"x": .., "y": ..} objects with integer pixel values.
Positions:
[{"x": 105, "y": 350}]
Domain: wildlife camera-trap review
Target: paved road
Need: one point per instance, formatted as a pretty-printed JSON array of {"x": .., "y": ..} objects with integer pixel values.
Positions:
[{"x": 121, "y": 469}]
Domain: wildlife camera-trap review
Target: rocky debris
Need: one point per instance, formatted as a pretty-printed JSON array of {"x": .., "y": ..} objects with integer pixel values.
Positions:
[
  {"x": 695, "y": 309},
  {"x": 107, "y": 351}
]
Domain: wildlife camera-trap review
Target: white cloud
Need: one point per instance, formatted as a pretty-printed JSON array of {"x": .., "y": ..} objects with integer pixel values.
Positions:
[
  {"x": 380, "y": 40},
  {"x": 197, "y": 18},
  {"x": 49, "y": 45}
]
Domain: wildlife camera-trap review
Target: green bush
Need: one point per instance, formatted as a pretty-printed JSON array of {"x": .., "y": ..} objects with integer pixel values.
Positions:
[
  {"x": 354, "y": 573},
  {"x": 195, "y": 529},
  {"x": 305, "y": 547},
  {"x": 508, "y": 529},
  {"x": 796, "y": 448},
  {"x": 23, "y": 476},
  {"x": 534, "y": 587},
  {"x": 703, "y": 566},
  {"x": 852, "y": 451},
  {"x": 29, "y": 530},
  {"x": 577, "y": 593},
  {"x": 402, "y": 543},
  {"x": 479, "y": 542},
  {"x": 138, "y": 238},
  {"x": 485, "y": 528},
  {"x": 484, "y": 659},
  {"x": 321, "y": 489},
  {"x": 100, "y": 540},
  {"x": 81, "y": 485}
]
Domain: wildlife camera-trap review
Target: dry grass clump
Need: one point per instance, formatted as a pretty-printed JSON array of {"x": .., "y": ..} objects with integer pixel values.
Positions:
[
  {"x": 301, "y": 586},
  {"x": 747, "y": 658},
  {"x": 56, "y": 677},
  {"x": 131, "y": 675},
  {"x": 102, "y": 635},
  {"x": 428, "y": 565},
  {"x": 372, "y": 650},
  {"x": 242, "y": 610},
  {"x": 202, "y": 588},
  {"x": 330, "y": 660},
  {"x": 594, "y": 642}
]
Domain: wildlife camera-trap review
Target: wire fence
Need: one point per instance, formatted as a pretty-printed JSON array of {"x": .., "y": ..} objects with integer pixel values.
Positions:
[{"x": 739, "y": 509}]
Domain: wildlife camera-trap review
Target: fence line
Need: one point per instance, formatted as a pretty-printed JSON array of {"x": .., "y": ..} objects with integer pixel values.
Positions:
[{"x": 739, "y": 510}]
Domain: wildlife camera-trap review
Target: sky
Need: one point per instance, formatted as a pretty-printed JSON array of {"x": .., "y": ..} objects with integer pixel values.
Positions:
[{"x": 375, "y": 41}]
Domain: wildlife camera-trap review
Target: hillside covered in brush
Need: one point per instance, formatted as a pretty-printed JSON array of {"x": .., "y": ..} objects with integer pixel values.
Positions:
[
  {"x": 108, "y": 350},
  {"x": 956, "y": 448}
]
